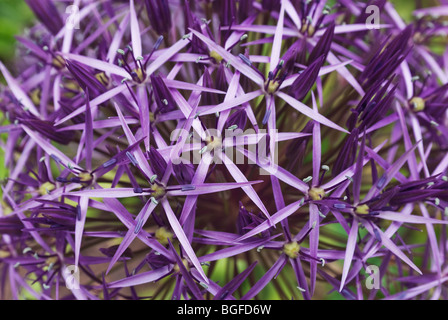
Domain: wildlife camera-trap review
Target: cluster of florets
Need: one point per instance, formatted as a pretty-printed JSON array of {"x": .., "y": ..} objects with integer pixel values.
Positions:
[{"x": 225, "y": 149}]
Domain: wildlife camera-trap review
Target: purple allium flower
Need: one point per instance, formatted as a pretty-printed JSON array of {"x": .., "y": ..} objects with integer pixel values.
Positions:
[{"x": 227, "y": 150}]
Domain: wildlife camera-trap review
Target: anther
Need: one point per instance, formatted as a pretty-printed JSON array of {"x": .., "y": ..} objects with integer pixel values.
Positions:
[
  {"x": 109, "y": 163},
  {"x": 245, "y": 59},
  {"x": 308, "y": 179},
  {"x": 131, "y": 158},
  {"x": 323, "y": 261},
  {"x": 78, "y": 213},
  {"x": 188, "y": 188},
  {"x": 381, "y": 182},
  {"x": 138, "y": 226}
]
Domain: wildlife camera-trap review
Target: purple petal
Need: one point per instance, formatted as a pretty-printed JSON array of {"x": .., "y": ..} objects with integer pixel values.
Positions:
[
  {"x": 180, "y": 234},
  {"x": 349, "y": 251},
  {"x": 142, "y": 278},
  {"x": 309, "y": 112}
]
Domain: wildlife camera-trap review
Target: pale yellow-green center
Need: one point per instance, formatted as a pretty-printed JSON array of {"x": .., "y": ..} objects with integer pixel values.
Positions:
[
  {"x": 177, "y": 268},
  {"x": 35, "y": 96},
  {"x": 101, "y": 77},
  {"x": 213, "y": 143},
  {"x": 50, "y": 262},
  {"x": 316, "y": 193},
  {"x": 309, "y": 28},
  {"x": 291, "y": 249},
  {"x": 85, "y": 176},
  {"x": 72, "y": 87},
  {"x": 417, "y": 104},
  {"x": 46, "y": 188},
  {"x": 59, "y": 62},
  {"x": 215, "y": 55},
  {"x": 362, "y": 209},
  {"x": 272, "y": 87},
  {"x": 139, "y": 73},
  {"x": 158, "y": 191}
]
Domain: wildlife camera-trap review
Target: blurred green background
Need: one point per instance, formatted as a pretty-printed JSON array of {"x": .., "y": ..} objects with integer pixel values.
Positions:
[{"x": 15, "y": 16}]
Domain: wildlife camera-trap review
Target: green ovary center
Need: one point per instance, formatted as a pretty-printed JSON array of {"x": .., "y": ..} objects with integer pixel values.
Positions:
[
  {"x": 215, "y": 55},
  {"x": 291, "y": 249},
  {"x": 46, "y": 188},
  {"x": 177, "y": 268},
  {"x": 417, "y": 104},
  {"x": 362, "y": 209},
  {"x": 316, "y": 193},
  {"x": 272, "y": 87},
  {"x": 213, "y": 143},
  {"x": 158, "y": 191}
]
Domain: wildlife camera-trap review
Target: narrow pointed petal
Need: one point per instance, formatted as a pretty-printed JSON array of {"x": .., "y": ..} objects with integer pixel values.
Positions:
[
  {"x": 50, "y": 149},
  {"x": 396, "y": 216},
  {"x": 135, "y": 31},
  {"x": 390, "y": 245},
  {"x": 389, "y": 174},
  {"x": 206, "y": 188},
  {"x": 233, "y": 103},
  {"x": 94, "y": 103},
  {"x": 306, "y": 80},
  {"x": 108, "y": 68},
  {"x": 185, "y": 274},
  {"x": 249, "y": 190},
  {"x": 167, "y": 54},
  {"x": 79, "y": 227},
  {"x": 180, "y": 234},
  {"x": 349, "y": 251},
  {"x": 358, "y": 172},
  {"x": 142, "y": 278},
  {"x": 132, "y": 233},
  {"x": 275, "y": 218},
  {"x": 278, "y": 37},
  {"x": 18, "y": 92},
  {"x": 309, "y": 112},
  {"x": 233, "y": 250},
  {"x": 89, "y": 135},
  {"x": 314, "y": 244},
  {"x": 234, "y": 61}
]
